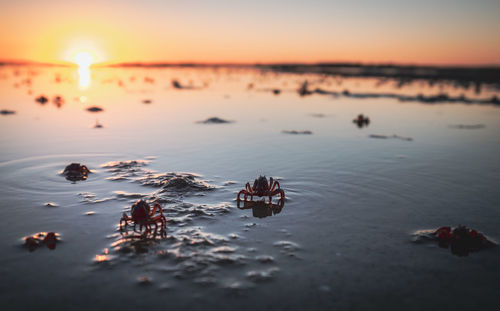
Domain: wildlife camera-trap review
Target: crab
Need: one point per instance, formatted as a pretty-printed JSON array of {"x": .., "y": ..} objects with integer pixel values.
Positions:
[
  {"x": 75, "y": 172},
  {"x": 262, "y": 188},
  {"x": 50, "y": 239},
  {"x": 41, "y": 99},
  {"x": 361, "y": 121},
  {"x": 141, "y": 214},
  {"x": 461, "y": 240}
]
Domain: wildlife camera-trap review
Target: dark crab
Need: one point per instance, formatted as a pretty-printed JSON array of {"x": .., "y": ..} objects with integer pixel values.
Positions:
[
  {"x": 262, "y": 188},
  {"x": 461, "y": 240},
  {"x": 41, "y": 99},
  {"x": 76, "y": 172},
  {"x": 49, "y": 239},
  {"x": 141, "y": 214},
  {"x": 361, "y": 121}
]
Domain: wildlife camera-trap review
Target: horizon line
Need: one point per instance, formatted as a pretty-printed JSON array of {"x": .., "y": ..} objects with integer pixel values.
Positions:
[{"x": 9, "y": 62}]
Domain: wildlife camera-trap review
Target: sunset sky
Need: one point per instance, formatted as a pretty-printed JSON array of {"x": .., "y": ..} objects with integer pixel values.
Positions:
[{"x": 398, "y": 31}]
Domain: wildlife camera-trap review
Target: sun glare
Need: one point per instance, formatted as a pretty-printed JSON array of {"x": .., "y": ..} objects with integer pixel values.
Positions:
[{"x": 83, "y": 59}]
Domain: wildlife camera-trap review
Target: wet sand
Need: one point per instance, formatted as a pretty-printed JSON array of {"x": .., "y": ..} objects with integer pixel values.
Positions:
[{"x": 342, "y": 240}]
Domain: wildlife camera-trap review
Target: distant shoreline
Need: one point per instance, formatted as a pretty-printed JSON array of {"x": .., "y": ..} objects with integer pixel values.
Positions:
[
  {"x": 406, "y": 73},
  {"x": 7, "y": 62}
]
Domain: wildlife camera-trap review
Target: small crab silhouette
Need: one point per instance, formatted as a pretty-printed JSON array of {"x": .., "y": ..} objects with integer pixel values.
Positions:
[
  {"x": 76, "y": 172},
  {"x": 361, "y": 121}
]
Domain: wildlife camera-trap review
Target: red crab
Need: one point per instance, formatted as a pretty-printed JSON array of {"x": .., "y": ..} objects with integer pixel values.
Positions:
[
  {"x": 142, "y": 215},
  {"x": 261, "y": 188},
  {"x": 50, "y": 239},
  {"x": 461, "y": 239}
]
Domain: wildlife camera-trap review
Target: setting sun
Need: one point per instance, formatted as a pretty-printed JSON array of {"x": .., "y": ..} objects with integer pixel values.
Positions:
[{"x": 83, "y": 59}]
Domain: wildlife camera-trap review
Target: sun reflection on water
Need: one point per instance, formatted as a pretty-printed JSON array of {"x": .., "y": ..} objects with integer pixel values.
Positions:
[
  {"x": 83, "y": 77},
  {"x": 104, "y": 257},
  {"x": 83, "y": 60}
]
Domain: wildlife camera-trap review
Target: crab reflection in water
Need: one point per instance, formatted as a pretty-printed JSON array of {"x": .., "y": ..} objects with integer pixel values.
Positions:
[
  {"x": 261, "y": 209},
  {"x": 133, "y": 243}
]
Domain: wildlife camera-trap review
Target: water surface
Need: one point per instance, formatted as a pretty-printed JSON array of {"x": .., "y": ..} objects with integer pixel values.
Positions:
[{"x": 342, "y": 239}]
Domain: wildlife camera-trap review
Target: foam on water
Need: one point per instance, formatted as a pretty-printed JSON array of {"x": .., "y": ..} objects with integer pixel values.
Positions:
[{"x": 188, "y": 251}]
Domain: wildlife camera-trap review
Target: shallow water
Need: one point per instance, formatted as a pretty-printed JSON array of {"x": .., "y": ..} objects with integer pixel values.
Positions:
[{"x": 342, "y": 240}]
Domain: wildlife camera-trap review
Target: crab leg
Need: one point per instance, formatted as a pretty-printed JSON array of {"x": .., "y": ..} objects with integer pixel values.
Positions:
[
  {"x": 159, "y": 219},
  {"x": 274, "y": 184},
  {"x": 247, "y": 191},
  {"x": 244, "y": 192},
  {"x": 148, "y": 229},
  {"x": 156, "y": 229},
  {"x": 124, "y": 219},
  {"x": 250, "y": 189},
  {"x": 275, "y": 192},
  {"x": 162, "y": 227},
  {"x": 163, "y": 231},
  {"x": 157, "y": 207}
]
